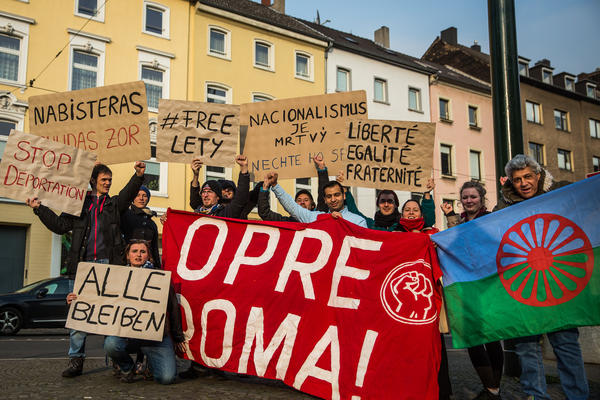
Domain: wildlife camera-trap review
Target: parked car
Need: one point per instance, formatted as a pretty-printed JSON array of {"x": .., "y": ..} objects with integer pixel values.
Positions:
[{"x": 38, "y": 305}]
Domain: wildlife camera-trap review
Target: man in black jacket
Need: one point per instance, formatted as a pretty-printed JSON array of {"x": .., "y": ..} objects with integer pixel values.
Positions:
[
  {"x": 96, "y": 236},
  {"x": 206, "y": 199},
  {"x": 137, "y": 223}
]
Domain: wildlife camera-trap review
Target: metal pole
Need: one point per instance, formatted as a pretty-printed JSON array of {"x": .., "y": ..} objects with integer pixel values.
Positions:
[{"x": 508, "y": 129}]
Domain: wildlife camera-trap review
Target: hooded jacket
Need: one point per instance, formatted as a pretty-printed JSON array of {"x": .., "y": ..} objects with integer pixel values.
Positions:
[
  {"x": 137, "y": 223},
  {"x": 107, "y": 220},
  {"x": 509, "y": 195}
]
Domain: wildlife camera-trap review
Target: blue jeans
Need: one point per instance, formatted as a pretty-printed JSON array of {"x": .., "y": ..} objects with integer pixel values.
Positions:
[
  {"x": 161, "y": 356},
  {"x": 569, "y": 361},
  {"x": 77, "y": 338}
]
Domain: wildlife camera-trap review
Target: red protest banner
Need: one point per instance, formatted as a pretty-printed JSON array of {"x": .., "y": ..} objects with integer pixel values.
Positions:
[{"x": 330, "y": 308}]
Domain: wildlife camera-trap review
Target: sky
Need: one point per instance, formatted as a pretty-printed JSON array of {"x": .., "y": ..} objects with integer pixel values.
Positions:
[{"x": 566, "y": 32}]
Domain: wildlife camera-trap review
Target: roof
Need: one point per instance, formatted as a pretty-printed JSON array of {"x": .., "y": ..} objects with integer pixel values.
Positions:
[
  {"x": 257, "y": 11},
  {"x": 472, "y": 62},
  {"x": 368, "y": 48},
  {"x": 457, "y": 77}
]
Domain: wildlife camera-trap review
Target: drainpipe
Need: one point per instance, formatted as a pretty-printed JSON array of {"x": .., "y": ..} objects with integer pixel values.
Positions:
[
  {"x": 329, "y": 46},
  {"x": 506, "y": 100}
]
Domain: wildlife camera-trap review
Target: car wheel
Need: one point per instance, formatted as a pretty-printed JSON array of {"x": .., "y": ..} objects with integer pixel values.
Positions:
[{"x": 10, "y": 321}]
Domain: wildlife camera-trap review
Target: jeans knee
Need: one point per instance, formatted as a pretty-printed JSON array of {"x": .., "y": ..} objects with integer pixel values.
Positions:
[
  {"x": 113, "y": 345},
  {"x": 164, "y": 378}
]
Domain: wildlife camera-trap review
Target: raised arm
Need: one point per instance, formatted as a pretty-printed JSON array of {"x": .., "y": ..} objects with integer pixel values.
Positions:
[
  {"x": 323, "y": 175},
  {"x": 195, "y": 199},
  {"x": 57, "y": 224},
  {"x": 242, "y": 194},
  {"x": 428, "y": 205},
  {"x": 130, "y": 191},
  {"x": 294, "y": 209}
]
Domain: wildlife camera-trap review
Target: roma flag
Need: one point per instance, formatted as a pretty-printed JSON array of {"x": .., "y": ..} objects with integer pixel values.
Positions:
[{"x": 527, "y": 269}]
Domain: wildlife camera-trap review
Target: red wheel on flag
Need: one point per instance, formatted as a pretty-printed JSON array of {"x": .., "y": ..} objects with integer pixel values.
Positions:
[{"x": 545, "y": 260}]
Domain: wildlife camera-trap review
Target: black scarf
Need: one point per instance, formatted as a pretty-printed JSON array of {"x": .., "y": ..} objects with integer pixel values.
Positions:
[{"x": 385, "y": 221}]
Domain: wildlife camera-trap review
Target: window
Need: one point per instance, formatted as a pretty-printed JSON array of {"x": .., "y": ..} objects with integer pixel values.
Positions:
[
  {"x": 561, "y": 120},
  {"x": 446, "y": 158},
  {"x": 9, "y": 57},
  {"x": 532, "y": 111},
  {"x": 342, "y": 80},
  {"x": 445, "y": 110},
  {"x": 473, "y": 116},
  {"x": 156, "y": 19},
  {"x": 547, "y": 76},
  {"x": 380, "y": 93},
  {"x": 303, "y": 66},
  {"x": 84, "y": 72},
  {"x": 475, "y": 164},
  {"x": 596, "y": 163},
  {"x": 590, "y": 90},
  {"x": 14, "y": 41},
  {"x": 256, "y": 98},
  {"x": 155, "y": 177},
  {"x": 263, "y": 55},
  {"x": 153, "y": 78},
  {"x": 564, "y": 159},
  {"x": 536, "y": 151},
  {"x": 523, "y": 68},
  {"x": 154, "y": 70},
  {"x": 89, "y": 9},
  {"x": 595, "y": 128},
  {"x": 217, "y": 94},
  {"x": 218, "y": 42},
  {"x": 414, "y": 99},
  {"x": 569, "y": 84},
  {"x": 303, "y": 183},
  {"x": 215, "y": 173},
  {"x": 5, "y": 127}
]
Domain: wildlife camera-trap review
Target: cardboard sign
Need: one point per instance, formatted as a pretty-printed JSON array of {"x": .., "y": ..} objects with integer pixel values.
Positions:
[
  {"x": 111, "y": 121},
  {"x": 395, "y": 155},
  {"x": 284, "y": 135},
  {"x": 120, "y": 301},
  {"x": 189, "y": 129},
  {"x": 55, "y": 173}
]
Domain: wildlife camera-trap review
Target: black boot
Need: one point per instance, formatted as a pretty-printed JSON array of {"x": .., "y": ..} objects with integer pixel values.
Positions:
[{"x": 75, "y": 367}]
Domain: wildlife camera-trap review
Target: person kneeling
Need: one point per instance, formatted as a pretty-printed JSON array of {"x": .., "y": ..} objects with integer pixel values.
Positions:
[{"x": 161, "y": 355}]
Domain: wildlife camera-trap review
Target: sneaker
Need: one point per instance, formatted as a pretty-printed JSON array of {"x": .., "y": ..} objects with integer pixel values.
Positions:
[
  {"x": 487, "y": 395},
  {"x": 74, "y": 368},
  {"x": 116, "y": 371},
  {"x": 129, "y": 376}
]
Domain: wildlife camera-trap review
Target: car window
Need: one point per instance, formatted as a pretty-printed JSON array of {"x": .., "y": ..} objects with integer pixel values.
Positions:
[
  {"x": 58, "y": 287},
  {"x": 27, "y": 288}
]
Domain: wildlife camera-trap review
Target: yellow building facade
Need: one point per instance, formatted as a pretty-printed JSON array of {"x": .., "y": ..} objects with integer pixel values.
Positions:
[{"x": 201, "y": 51}]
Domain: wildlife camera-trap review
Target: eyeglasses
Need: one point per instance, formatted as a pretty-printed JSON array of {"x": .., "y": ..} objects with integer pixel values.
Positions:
[{"x": 389, "y": 201}]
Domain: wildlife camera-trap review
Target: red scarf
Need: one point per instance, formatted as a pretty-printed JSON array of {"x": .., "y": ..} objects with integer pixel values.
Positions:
[{"x": 412, "y": 225}]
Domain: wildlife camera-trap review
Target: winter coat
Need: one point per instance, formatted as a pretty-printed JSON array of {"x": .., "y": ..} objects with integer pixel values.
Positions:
[
  {"x": 231, "y": 210},
  {"x": 509, "y": 195},
  {"x": 137, "y": 223},
  {"x": 109, "y": 224}
]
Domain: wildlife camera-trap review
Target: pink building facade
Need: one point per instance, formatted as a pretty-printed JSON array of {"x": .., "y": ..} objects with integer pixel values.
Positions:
[{"x": 461, "y": 107}]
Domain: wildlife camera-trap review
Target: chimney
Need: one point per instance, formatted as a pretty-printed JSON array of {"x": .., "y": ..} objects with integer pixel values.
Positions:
[
  {"x": 279, "y": 6},
  {"x": 544, "y": 62},
  {"x": 450, "y": 35},
  {"x": 382, "y": 37},
  {"x": 476, "y": 47},
  {"x": 266, "y": 3}
]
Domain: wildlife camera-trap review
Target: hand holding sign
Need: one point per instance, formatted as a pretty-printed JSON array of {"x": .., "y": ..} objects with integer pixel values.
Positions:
[{"x": 242, "y": 161}]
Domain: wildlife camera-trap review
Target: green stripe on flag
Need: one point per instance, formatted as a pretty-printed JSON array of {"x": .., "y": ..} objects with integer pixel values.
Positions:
[{"x": 482, "y": 311}]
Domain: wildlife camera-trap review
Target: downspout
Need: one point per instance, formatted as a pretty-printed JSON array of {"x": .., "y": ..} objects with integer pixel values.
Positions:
[{"x": 329, "y": 46}]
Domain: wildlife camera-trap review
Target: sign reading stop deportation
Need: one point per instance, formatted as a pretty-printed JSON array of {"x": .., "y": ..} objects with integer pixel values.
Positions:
[
  {"x": 189, "y": 129},
  {"x": 111, "y": 121},
  {"x": 55, "y": 173},
  {"x": 120, "y": 301},
  {"x": 284, "y": 135},
  {"x": 395, "y": 155}
]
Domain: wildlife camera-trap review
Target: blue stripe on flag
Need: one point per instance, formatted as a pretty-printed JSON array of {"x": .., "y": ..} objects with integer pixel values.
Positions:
[{"x": 468, "y": 251}]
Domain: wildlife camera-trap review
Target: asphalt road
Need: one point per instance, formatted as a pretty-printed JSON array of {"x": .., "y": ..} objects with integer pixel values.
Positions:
[{"x": 31, "y": 363}]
